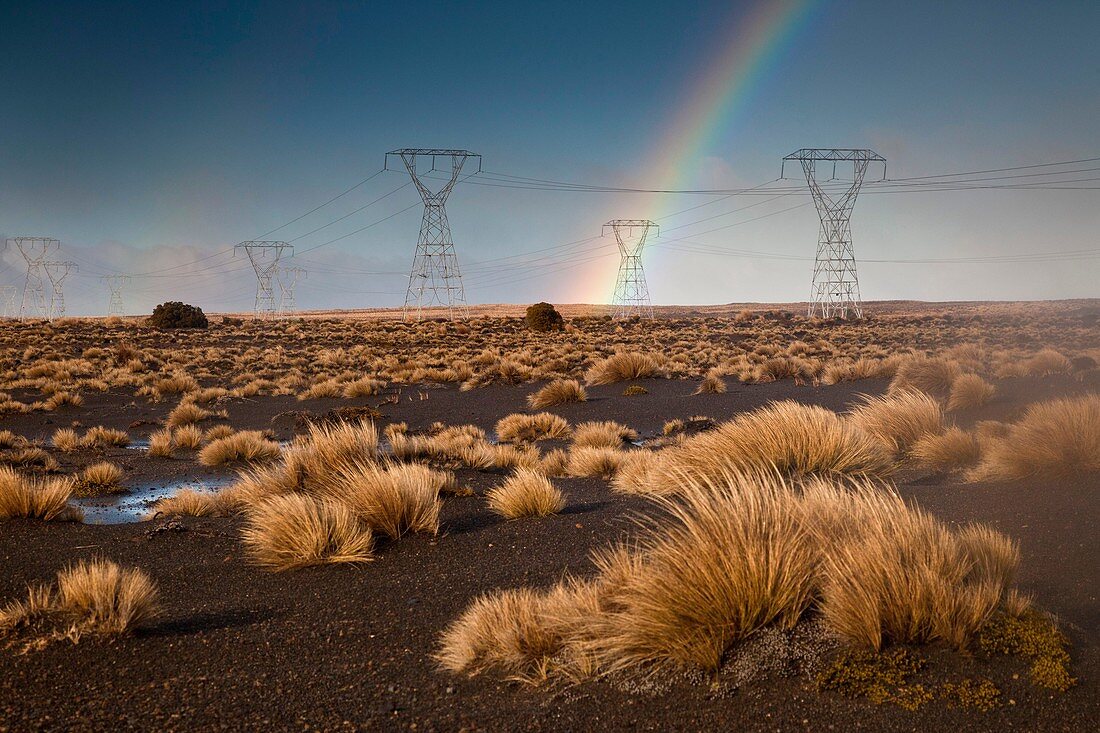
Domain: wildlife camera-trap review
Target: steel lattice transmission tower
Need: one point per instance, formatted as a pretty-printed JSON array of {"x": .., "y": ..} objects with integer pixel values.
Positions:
[
  {"x": 115, "y": 283},
  {"x": 835, "y": 292},
  {"x": 288, "y": 278},
  {"x": 265, "y": 257},
  {"x": 57, "y": 272},
  {"x": 435, "y": 279},
  {"x": 631, "y": 292},
  {"x": 35, "y": 250}
]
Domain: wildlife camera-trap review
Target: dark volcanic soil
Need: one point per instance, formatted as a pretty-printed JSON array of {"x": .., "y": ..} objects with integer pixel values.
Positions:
[{"x": 350, "y": 647}]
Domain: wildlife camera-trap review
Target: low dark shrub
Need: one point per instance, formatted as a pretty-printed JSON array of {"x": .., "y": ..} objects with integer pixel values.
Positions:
[
  {"x": 175, "y": 314},
  {"x": 544, "y": 317}
]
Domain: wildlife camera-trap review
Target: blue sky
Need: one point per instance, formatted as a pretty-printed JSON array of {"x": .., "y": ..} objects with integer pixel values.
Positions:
[{"x": 145, "y": 136}]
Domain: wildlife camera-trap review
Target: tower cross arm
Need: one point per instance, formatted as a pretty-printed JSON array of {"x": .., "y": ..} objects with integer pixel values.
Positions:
[{"x": 835, "y": 154}]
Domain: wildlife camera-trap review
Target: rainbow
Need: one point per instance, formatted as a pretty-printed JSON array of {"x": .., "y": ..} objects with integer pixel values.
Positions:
[{"x": 756, "y": 39}]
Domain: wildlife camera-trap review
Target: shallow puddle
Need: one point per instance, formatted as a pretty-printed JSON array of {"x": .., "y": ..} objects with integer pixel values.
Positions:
[{"x": 135, "y": 505}]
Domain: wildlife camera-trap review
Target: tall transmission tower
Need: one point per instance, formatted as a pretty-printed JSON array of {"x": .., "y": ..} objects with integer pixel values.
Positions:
[
  {"x": 288, "y": 278},
  {"x": 7, "y": 301},
  {"x": 35, "y": 250},
  {"x": 835, "y": 291},
  {"x": 264, "y": 257},
  {"x": 435, "y": 279},
  {"x": 57, "y": 272},
  {"x": 115, "y": 283},
  {"x": 631, "y": 292}
]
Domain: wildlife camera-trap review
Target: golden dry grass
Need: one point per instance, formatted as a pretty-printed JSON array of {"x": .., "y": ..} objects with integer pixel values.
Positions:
[
  {"x": 65, "y": 440},
  {"x": 520, "y": 428},
  {"x": 103, "y": 437},
  {"x": 92, "y": 597},
  {"x": 621, "y": 367},
  {"x": 160, "y": 443},
  {"x": 246, "y": 446},
  {"x": 187, "y": 437},
  {"x": 792, "y": 438},
  {"x": 23, "y": 497},
  {"x": 557, "y": 392},
  {"x": 100, "y": 478},
  {"x": 186, "y": 413},
  {"x": 526, "y": 493},
  {"x": 969, "y": 390},
  {"x": 293, "y": 531},
  {"x": 635, "y": 473},
  {"x": 952, "y": 449},
  {"x": 898, "y": 419},
  {"x": 391, "y": 499},
  {"x": 192, "y": 503},
  {"x": 595, "y": 462},
  {"x": 1055, "y": 438},
  {"x": 602, "y": 434},
  {"x": 711, "y": 384},
  {"x": 931, "y": 375}
]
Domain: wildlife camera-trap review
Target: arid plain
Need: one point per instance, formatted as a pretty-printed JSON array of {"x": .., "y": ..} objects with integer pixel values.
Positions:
[{"x": 725, "y": 517}]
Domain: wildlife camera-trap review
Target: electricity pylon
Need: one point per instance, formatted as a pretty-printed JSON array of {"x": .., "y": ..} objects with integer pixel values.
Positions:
[
  {"x": 35, "y": 250},
  {"x": 7, "y": 300},
  {"x": 435, "y": 278},
  {"x": 115, "y": 283},
  {"x": 57, "y": 272},
  {"x": 835, "y": 291},
  {"x": 631, "y": 292},
  {"x": 288, "y": 278},
  {"x": 264, "y": 257}
]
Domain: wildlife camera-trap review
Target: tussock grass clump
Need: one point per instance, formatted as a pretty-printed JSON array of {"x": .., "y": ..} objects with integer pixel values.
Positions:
[
  {"x": 520, "y": 428},
  {"x": 558, "y": 392},
  {"x": 187, "y": 437},
  {"x": 635, "y": 473},
  {"x": 103, "y": 437},
  {"x": 217, "y": 433},
  {"x": 391, "y": 499},
  {"x": 526, "y": 493},
  {"x": 1056, "y": 438},
  {"x": 794, "y": 439},
  {"x": 593, "y": 461},
  {"x": 729, "y": 556},
  {"x": 898, "y": 419},
  {"x": 100, "y": 478},
  {"x": 160, "y": 443},
  {"x": 711, "y": 384},
  {"x": 931, "y": 375},
  {"x": 952, "y": 449},
  {"x": 192, "y": 503},
  {"x": 621, "y": 367},
  {"x": 1046, "y": 362},
  {"x": 94, "y": 597},
  {"x": 970, "y": 390},
  {"x": 65, "y": 440},
  {"x": 246, "y": 446},
  {"x": 603, "y": 434},
  {"x": 186, "y": 413},
  {"x": 363, "y": 387},
  {"x": 293, "y": 531},
  {"x": 326, "y": 446},
  {"x": 62, "y": 399},
  {"x": 23, "y": 497}
]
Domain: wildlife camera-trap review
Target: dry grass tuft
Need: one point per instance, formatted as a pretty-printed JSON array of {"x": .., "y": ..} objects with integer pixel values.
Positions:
[
  {"x": 526, "y": 493},
  {"x": 1055, "y": 438},
  {"x": 246, "y": 446},
  {"x": 931, "y": 375},
  {"x": 596, "y": 462},
  {"x": 160, "y": 443},
  {"x": 22, "y": 497},
  {"x": 602, "y": 434},
  {"x": 558, "y": 392},
  {"x": 293, "y": 531},
  {"x": 187, "y": 437},
  {"x": 100, "y": 478},
  {"x": 952, "y": 449},
  {"x": 898, "y": 419},
  {"x": 711, "y": 384},
  {"x": 635, "y": 473},
  {"x": 520, "y": 428},
  {"x": 1046, "y": 362},
  {"x": 103, "y": 437},
  {"x": 94, "y": 597},
  {"x": 789, "y": 437},
  {"x": 622, "y": 366},
  {"x": 65, "y": 440},
  {"x": 969, "y": 390},
  {"x": 391, "y": 499},
  {"x": 192, "y": 503},
  {"x": 186, "y": 413}
]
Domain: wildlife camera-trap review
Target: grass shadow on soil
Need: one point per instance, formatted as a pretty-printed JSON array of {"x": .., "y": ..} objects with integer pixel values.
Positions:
[{"x": 201, "y": 622}]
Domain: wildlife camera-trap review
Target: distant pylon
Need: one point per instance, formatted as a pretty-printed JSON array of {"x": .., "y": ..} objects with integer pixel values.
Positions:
[
  {"x": 115, "y": 283},
  {"x": 35, "y": 250},
  {"x": 288, "y": 278},
  {"x": 835, "y": 291},
  {"x": 57, "y": 272},
  {"x": 631, "y": 292},
  {"x": 7, "y": 300},
  {"x": 435, "y": 279},
  {"x": 264, "y": 257}
]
